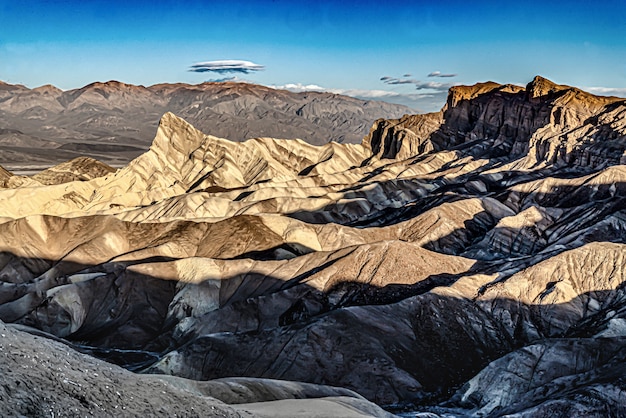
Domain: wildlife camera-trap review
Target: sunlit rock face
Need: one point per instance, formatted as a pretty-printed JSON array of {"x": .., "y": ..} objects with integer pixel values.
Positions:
[{"x": 470, "y": 261}]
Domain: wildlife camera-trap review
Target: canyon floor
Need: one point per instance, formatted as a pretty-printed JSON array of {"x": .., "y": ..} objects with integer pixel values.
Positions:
[{"x": 469, "y": 262}]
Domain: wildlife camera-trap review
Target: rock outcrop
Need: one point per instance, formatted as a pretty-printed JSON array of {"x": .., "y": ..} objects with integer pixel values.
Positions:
[
  {"x": 5, "y": 175},
  {"x": 544, "y": 123},
  {"x": 470, "y": 261},
  {"x": 78, "y": 169}
]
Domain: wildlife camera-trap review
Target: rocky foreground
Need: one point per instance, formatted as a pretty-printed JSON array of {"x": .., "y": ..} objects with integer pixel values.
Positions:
[{"x": 466, "y": 262}]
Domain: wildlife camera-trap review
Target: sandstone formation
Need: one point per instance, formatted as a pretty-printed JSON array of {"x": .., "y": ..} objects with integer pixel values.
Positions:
[
  {"x": 115, "y": 122},
  {"x": 467, "y": 262},
  {"x": 4, "y": 176}
]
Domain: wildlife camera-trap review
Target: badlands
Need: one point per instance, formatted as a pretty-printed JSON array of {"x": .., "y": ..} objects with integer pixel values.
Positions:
[{"x": 469, "y": 262}]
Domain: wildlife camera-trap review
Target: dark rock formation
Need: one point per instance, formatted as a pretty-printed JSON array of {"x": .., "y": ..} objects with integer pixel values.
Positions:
[
  {"x": 545, "y": 121},
  {"x": 43, "y": 378}
]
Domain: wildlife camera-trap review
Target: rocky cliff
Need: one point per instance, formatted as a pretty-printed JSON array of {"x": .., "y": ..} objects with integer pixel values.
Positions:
[
  {"x": 469, "y": 262},
  {"x": 543, "y": 123}
]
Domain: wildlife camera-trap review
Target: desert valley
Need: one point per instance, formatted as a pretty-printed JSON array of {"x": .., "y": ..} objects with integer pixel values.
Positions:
[{"x": 228, "y": 249}]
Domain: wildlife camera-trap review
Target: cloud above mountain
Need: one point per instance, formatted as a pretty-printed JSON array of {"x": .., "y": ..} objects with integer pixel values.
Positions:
[
  {"x": 439, "y": 74},
  {"x": 360, "y": 93},
  {"x": 420, "y": 85},
  {"x": 299, "y": 87},
  {"x": 420, "y": 102},
  {"x": 607, "y": 91},
  {"x": 226, "y": 66}
]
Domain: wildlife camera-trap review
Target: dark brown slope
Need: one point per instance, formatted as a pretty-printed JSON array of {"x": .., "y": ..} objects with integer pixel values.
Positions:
[
  {"x": 4, "y": 176},
  {"x": 114, "y": 122}
]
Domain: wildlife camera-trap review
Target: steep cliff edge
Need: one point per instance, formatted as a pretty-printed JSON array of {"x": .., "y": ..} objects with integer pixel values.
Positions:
[{"x": 544, "y": 123}]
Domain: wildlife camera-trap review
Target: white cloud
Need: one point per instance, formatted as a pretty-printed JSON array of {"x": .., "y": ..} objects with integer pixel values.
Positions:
[
  {"x": 226, "y": 66},
  {"x": 371, "y": 94},
  {"x": 420, "y": 102},
  {"x": 607, "y": 91},
  {"x": 299, "y": 87}
]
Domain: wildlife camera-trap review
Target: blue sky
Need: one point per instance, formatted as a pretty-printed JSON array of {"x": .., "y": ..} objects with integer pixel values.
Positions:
[{"x": 345, "y": 47}]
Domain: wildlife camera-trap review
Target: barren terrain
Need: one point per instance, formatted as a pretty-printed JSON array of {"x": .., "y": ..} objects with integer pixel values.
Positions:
[{"x": 465, "y": 262}]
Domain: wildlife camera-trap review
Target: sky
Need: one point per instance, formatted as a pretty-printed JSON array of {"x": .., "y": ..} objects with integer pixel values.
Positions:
[{"x": 407, "y": 52}]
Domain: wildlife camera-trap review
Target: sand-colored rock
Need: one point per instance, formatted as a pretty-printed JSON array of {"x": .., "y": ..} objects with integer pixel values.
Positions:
[{"x": 78, "y": 169}]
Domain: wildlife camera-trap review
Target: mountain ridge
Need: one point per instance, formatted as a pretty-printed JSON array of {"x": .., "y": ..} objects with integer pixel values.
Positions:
[
  {"x": 490, "y": 110},
  {"x": 115, "y": 113}
]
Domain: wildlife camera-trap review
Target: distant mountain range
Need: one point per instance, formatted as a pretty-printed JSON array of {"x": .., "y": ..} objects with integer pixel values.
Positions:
[{"x": 115, "y": 122}]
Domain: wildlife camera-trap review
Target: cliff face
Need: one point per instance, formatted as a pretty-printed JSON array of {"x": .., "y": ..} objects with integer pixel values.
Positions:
[
  {"x": 544, "y": 123},
  {"x": 403, "y": 138}
]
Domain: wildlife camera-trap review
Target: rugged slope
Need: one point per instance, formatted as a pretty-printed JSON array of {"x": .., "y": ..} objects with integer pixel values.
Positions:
[
  {"x": 115, "y": 122},
  {"x": 544, "y": 123},
  {"x": 52, "y": 379},
  {"x": 466, "y": 262}
]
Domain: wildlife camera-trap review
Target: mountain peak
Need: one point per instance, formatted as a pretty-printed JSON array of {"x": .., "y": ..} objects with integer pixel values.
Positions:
[
  {"x": 175, "y": 139},
  {"x": 541, "y": 86},
  {"x": 9, "y": 86},
  {"x": 48, "y": 89},
  {"x": 112, "y": 86},
  {"x": 457, "y": 94},
  {"x": 111, "y": 83}
]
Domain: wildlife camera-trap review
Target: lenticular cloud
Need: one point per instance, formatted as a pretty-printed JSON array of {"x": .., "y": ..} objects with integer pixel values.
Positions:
[
  {"x": 226, "y": 66},
  {"x": 439, "y": 74},
  {"x": 419, "y": 85}
]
